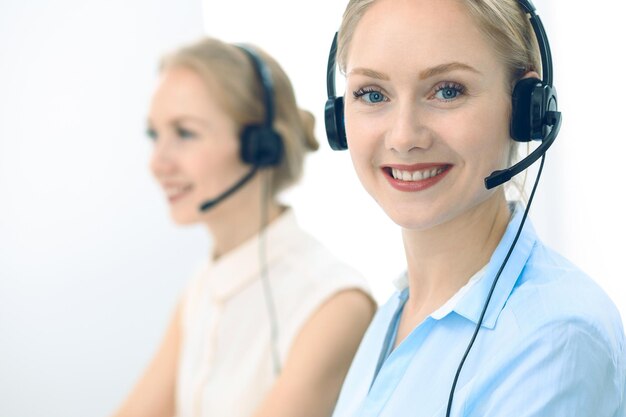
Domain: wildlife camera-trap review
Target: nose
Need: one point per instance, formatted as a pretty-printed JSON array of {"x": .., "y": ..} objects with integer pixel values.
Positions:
[
  {"x": 407, "y": 131},
  {"x": 162, "y": 160}
]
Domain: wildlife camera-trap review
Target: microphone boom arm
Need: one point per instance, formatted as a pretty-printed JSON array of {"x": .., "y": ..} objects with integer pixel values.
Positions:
[{"x": 501, "y": 176}]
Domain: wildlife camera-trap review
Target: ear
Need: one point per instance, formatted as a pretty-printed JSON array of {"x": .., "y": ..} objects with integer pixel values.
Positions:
[
  {"x": 526, "y": 75},
  {"x": 531, "y": 74}
]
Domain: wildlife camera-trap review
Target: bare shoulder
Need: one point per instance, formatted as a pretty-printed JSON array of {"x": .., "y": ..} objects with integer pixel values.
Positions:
[
  {"x": 333, "y": 332},
  {"x": 320, "y": 356},
  {"x": 348, "y": 305}
]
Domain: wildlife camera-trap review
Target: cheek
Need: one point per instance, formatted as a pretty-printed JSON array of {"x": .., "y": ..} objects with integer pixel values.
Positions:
[
  {"x": 362, "y": 138},
  {"x": 364, "y": 131},
  {"x": 152, "y": 164},
  {"x": 213, "y": 168},
  {"x": 484, "y": 142},
  {"x": 495, "y": 147}
]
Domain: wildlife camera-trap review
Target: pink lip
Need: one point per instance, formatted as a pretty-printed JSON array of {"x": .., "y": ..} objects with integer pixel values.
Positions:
[
  {"x": 412, "y": 186},
  {"x": 175, "y": 198}
]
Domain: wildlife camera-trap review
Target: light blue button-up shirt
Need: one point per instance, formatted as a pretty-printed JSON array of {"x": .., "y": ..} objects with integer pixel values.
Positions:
[{"x": 551, "y": 345}]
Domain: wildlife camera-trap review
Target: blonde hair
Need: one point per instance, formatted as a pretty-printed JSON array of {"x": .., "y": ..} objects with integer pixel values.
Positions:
[
  {"x": 503, "y": 22},
  {"x": 227, "y": 69}
]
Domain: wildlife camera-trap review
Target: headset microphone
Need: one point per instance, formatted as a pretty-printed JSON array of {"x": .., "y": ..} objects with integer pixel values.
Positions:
[
  {"x": 261, "y": 145},
  {"x": 501, "y": 176},
  {"x": 209, "y": 204},
  {"x": 534, "y": 114}
]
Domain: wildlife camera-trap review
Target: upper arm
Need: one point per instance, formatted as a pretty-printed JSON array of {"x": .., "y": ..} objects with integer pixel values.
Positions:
[
  {"x": 154, "y": 393},
  {"x": 320, "y": 357},
  {"x": 565, "y": 369}
]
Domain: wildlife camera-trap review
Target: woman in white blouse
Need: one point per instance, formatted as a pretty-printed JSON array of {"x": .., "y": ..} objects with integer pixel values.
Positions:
[{"x": 269, "y": 326}]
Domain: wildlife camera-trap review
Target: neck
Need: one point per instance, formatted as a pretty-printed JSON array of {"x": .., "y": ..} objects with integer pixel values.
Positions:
[
  {"x": 238, "y": 219},
  {"x": 442, "y": 259}
]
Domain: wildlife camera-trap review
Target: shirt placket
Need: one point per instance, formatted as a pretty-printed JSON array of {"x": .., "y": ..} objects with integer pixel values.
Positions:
[{"x": 394, "y": 367}]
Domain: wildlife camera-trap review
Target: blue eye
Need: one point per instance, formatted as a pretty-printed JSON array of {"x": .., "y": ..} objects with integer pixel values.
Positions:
[
  {"x": 374, "y": 97},
  {"x": 185, "y": 133},
  {"x": 369, "y": 95},
  {"x": 151, "y": 134},
  {"x": 449, "y": 91}
]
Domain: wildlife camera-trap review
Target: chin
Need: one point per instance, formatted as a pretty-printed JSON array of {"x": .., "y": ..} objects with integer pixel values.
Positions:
[
  {"x": 412, "y": 222},
  {"x": 186, "y": 218},
  {"x": 412, "y": 217}
]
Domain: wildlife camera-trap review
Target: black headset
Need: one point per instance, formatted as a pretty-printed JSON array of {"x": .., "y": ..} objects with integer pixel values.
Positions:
[
  {"x": 534, "y": 114},
  {"x": 261, "y": 145}
]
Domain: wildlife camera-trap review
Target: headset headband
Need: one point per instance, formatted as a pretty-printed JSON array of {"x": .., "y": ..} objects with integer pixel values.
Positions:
[
  {"x": 330, "y": 69},
  {"x": 267, "y": 84},
  {"x": 542, "y": 40}
]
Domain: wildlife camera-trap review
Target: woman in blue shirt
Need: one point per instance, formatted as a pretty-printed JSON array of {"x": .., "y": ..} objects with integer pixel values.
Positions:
[{"x": 488, "y": 321}]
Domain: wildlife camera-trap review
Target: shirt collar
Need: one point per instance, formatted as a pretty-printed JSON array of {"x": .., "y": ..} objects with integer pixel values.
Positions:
[
  {"x": 470, "y": 299},
  {"x": 402, "y": 284},
  {"x": 237, "y": 269},
  {"x": 451, "y": 304},
  {"x": 471, "y": 305}
]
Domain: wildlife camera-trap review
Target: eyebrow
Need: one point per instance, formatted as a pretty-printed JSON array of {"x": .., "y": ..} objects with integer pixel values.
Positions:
[
  {"x": 370, "y": 73},
  {"x": 182, "y": 119},
  {"x": 190, "y": 118},
  {"x": 443, "y": 68},
  {"x": 427, "y": 73}
]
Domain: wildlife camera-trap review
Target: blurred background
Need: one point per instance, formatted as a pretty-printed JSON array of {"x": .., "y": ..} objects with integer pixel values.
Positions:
[{"x": 90, "y": 264}]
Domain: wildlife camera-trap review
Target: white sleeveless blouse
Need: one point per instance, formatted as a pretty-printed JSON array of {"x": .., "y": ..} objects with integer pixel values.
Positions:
[{"x": 225, "y": 364}]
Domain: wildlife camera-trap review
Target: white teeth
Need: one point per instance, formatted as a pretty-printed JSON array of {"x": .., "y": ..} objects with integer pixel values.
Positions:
[
  {"x": 174, "y": 191},
  {"x": 431, "y": 173},
  {"x": 415, "y": 175}
]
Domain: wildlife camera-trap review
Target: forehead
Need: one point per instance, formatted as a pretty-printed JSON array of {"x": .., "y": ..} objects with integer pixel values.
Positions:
[
  {"x": 418, "y": 34},
  {"x": 183, "y": 90}
]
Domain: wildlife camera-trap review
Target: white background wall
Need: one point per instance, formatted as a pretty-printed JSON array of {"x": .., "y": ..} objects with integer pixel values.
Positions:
[{"x": 90, "y": 265}]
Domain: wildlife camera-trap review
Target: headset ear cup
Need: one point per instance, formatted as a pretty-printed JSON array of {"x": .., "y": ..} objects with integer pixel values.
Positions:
[
  {"x": 335, "y": 127},
  {"x": 526, "y": 94},
  {"x": 261, "y": 146}
]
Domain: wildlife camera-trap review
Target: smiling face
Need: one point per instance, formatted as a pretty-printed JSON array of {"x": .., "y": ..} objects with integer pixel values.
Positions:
[
  {"x": 427, "y": 110},
  {"x": 196, "y": 146}
]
